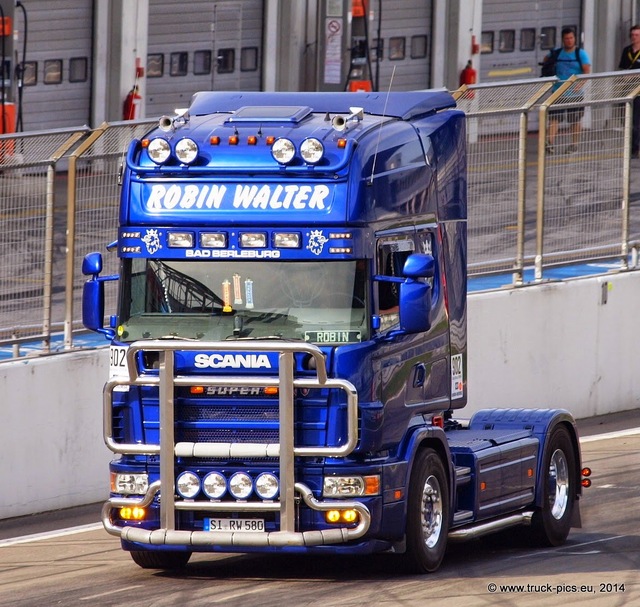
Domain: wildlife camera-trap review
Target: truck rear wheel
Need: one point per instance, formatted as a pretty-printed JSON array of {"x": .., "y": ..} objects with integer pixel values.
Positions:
[
  {"x": 552, "y": 522},
  {"x": 427, "y": 514},
  {"x": 160, "y": 560}
]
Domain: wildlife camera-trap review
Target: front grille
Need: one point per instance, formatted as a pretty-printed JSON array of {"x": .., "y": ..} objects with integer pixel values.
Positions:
[{"x": 227, "y": 413}]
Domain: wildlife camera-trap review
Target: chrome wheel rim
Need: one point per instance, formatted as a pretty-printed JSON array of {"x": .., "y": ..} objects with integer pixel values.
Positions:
[
  {"x": 558, "y": 484},
  {"x": 432, "y": 512}
]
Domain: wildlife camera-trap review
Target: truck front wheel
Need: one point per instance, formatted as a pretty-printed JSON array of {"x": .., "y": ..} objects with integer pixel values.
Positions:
[
  {"x": 552, "y": 522},
  {"x": 427, "y": 513},
  {"x": 170, "y": 561}
]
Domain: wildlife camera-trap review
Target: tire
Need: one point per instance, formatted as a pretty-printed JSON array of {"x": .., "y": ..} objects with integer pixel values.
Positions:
[
  {"x": 427, "y": 514},
  {"x": 169, "y": 561},
  {"x": 551, "y": 523}
]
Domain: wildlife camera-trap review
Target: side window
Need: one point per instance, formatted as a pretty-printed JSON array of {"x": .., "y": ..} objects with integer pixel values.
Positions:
[
  {"x": 178, "y": 63},
  {"x": 155, "y": 65},
  {"x": 547, "y": 38},
  {"x": 528, "y": 39},
  {"x": 486, "y": 43},
  {"x": 226, "y": 61},
  {"x": 507, "y": 41},
  {"x": 391, "y": 257}
]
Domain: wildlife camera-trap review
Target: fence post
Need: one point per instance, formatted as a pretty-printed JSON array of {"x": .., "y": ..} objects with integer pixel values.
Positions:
[{"x": 71, "y": 232}]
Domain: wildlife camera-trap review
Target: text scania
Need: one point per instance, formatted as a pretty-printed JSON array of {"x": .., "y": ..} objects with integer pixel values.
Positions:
[
  {"x": 233, "y": 361},
  {"x": 285, "y": 197}
]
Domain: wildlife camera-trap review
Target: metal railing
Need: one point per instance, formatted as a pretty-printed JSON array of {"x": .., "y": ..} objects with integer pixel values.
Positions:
[
  {"x": 531, "y": 207},
  {"x": 527, "y": 208}
]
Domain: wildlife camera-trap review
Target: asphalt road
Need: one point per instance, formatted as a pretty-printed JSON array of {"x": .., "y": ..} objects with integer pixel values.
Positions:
[{"x": 67, "y": 559}]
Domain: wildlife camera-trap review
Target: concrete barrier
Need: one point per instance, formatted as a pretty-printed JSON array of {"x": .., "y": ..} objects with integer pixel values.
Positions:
[
  {"x": 53, "y": 455},
  {"x": 570, "y": 344}
]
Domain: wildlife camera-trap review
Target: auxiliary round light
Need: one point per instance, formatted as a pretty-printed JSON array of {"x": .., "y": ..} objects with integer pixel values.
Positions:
[
  {"x": 214, "y": 485},
  {"x": 159, "y": 150},
  {"x": 186, "y": 150},
  {"x": 283, "y": 150},
  {"x": 240, "y": 485},
  {"x": 312, "y": 150},
  {"x": 267, "y": 486},
  {"x": 188, "y": 485}
]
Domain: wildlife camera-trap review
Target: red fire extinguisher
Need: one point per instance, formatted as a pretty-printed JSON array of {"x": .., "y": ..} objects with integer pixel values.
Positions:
[
  {"x": 468, "y": 74},
  {"x": 131, "y": 105}
]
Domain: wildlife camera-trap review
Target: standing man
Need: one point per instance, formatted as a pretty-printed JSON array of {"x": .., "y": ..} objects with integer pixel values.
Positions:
[
  {"x": 570, "y": 60},
  {"x": 630, "y": 60}
]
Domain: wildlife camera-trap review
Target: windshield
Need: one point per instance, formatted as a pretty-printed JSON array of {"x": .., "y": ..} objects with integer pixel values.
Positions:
[{"x": 318, "y": 302}]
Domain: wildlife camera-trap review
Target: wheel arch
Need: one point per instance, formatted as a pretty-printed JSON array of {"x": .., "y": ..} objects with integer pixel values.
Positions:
[{"x": 434, "y": 438}]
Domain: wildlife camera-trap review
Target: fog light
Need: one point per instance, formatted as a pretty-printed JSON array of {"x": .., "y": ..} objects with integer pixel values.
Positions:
[
  {"x": 267, "y": 486},
  {"x": 342, "y": 516},
  {"x": 214, "y": 485},
  {"x": 188, "y": 485},
  {"x": 240, "y": 485},
  {"x": 332, "y": 516},
  {"x": 132, "y": 513}
]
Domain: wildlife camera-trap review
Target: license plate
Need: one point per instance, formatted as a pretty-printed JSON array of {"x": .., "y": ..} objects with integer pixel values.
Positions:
[{"x": 237, "y": 525}]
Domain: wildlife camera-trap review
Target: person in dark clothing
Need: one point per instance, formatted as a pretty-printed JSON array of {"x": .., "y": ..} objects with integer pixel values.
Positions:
[{"x": 630, "y": 60}]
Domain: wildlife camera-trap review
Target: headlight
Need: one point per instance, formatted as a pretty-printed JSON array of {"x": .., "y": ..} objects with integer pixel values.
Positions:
[
  {"x": 214, "y": 485},
  {"x": 129, "y": 484},
  {"x": 240, "y": 485},
  {"x": 267, "y": 486},
  {"x": 186, "y": 150},
  {"x": 312, "y": 150},
  {"x": 351, "y": 486},
  {"x": 159, "y": 150},
  {"x": 188, "y": 485},
  {"x": 283, "y": 150}
]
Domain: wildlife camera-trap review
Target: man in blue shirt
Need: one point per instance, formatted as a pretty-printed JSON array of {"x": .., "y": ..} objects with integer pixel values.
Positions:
[{"x": 570, "y": 60}]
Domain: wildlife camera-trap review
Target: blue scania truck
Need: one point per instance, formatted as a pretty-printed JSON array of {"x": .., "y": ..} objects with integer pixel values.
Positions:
[{"x": 290, "y": 343}]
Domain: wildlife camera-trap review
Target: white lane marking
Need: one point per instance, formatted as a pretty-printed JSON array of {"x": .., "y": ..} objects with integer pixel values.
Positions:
[
  {"x": 47, "y": 535},
  {"x": 607, "y": 435}
]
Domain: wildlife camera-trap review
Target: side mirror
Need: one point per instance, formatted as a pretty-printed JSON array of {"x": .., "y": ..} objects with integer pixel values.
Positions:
[
  {"x": 415, "y": 295},
  {"x": 415, "y": 306},
  {"x": 93, "y": 295},
  {"x": 92, "y": 264},
  {"x": 419, "y": 265}
]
